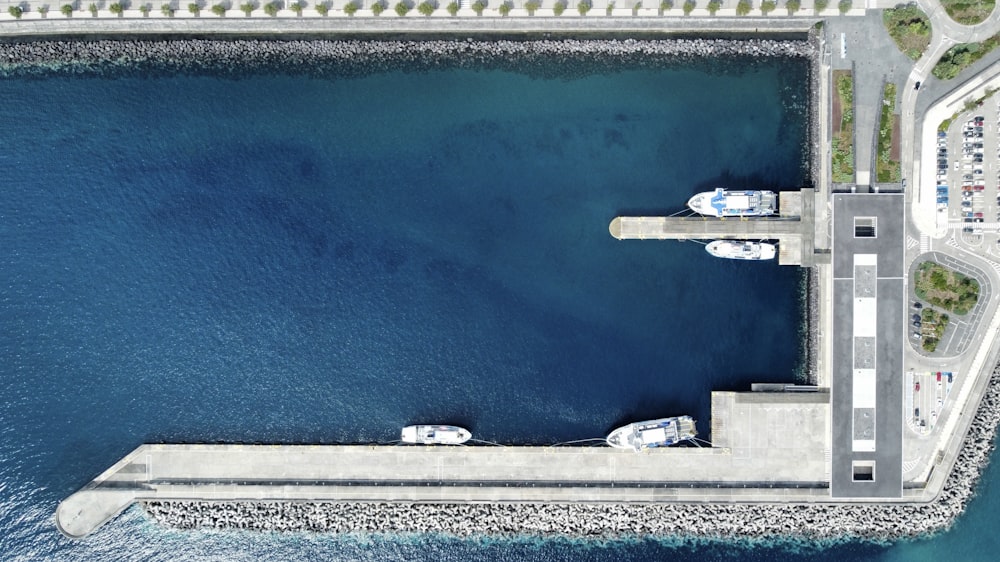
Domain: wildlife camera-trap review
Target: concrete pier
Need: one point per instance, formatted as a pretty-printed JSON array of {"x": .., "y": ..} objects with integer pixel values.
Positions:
[
  {"x": 765, "y": 459},
  {"x": 793, "y": 228}
]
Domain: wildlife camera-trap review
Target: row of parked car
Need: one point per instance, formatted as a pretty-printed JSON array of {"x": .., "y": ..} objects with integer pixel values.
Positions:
[{"x": 970, "y": 172}]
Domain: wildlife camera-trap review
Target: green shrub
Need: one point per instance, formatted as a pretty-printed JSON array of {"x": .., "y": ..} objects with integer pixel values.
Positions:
[
  {"x": 93, "y": 10},
  {"x": 666, "y": 5},
  {"x": 452, "y": 8},
  {"x": 583, "y": 7},
  {"x": 322, "y": 8},
  {"x": 271, "y": 9},
  {"x": 609, "y": 8},
  {"x": 559, "y": 7},
  {"x": 689, "y": 6},
  {"x": 531, "y": 6},
  {"x": 248, "y": 8},
  {"x": 378, "y": 7},
  {"x": 961, "y": 56},
  {"x": 844, "y": 6},
  {"x": 43, "y": 10},
  {"x": 297, "y": 7},
  {"x": 67, "y": 10},
  {"x": 821, "y": 5},
  {"x": 743, "y": 7},
  {"x": 15, "y": 11},
  {"x": 167, "y": 10},
  {"x": 767, "y": 6},
  {"x": 116, "y": 9},
  {"x": 426, "y": 8},
  {"x": 478, "y": 6},
  {"x": 351, "y": 8},
  {"x": 145, "y": 9},
  {"x": 504, "y": 9},
  {"x": 713, "y": 6},
  {"x": 195, "y": 9},
  {"x": 219, "y": 10},
  {"x": 792, "y": 6}
]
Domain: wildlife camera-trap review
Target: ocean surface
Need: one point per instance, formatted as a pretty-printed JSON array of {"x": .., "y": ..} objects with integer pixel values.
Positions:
[{"x": 280, "y": 259}]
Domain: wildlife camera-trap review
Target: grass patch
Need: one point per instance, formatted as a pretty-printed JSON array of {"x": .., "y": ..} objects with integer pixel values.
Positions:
[
  {"x": 843, "y": 127},
  {"x": 945, "y": 288},
  {"x": 968, "y": 12},
  {"x": 932, "y": 327},
  {"x": 910, "y": 28},
  {"x": 959, "y": 57},
  {"x": 887, "y": 169}
]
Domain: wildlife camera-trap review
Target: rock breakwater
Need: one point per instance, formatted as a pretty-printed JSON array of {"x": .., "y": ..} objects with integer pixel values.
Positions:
[
  {"x": 235, "y": 58},
  {"x": 786, "y": 522}
]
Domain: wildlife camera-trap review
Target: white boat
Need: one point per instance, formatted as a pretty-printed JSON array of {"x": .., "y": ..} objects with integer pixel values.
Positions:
[
  {"x": 435, "y": 435},
  {"x": 654, "y": 433},
  {"x": 742, "y": 250},
  {"x": 730, "y": 203}
]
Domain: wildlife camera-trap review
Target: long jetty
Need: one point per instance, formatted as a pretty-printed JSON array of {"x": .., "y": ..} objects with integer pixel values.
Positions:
[
  {"x": 793, "y": 228},
  {"x": 758, "y": 455}
]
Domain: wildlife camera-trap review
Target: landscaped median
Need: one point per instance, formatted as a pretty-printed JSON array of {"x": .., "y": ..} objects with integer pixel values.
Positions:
[
  {"x": 959, "y": 57},
  {"x": 431, "y": 8},
  {"x": 842, "y": 169},
  {"x": 910, "y": 28},
  {"x": 887, "y": 165}
]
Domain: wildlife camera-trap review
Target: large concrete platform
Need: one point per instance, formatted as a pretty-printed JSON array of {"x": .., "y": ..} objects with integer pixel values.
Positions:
[{"x": 765, "y": 458}]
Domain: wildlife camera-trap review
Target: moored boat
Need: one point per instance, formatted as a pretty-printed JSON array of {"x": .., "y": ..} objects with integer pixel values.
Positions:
[
  {"x": 742, "y": 250},
  {"x": 733, "y": 203},
  {"x": 654, "y": 433},
  {"x": 435, "y": 435}
]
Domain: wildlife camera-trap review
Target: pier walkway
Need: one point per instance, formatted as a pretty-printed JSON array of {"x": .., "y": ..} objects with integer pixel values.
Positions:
[
  {"x": 775, "y": 450},
  {"x": 793, "y": 229}
]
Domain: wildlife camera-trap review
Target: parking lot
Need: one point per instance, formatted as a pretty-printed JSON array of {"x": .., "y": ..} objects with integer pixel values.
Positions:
[
  {"x": 968, "y": 174},
  {"x": 925, "y": 396}
]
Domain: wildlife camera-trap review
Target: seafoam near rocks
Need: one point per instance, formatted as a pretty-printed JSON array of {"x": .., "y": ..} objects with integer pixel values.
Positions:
[{"x": 354, "y": 58}]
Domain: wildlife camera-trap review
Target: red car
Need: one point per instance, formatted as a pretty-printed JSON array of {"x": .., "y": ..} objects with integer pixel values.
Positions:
[
  {"x": 978, "y": 188},
  {"x": 939, "y": 376},
  {"x": 916, "y": 388},
  {"x": 979, "y": 215}
]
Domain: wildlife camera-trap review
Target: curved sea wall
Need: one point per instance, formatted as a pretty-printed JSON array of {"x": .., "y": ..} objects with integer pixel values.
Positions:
[
  {"x": 822, "y": 522},
  {"x": 554, "y": 58}
]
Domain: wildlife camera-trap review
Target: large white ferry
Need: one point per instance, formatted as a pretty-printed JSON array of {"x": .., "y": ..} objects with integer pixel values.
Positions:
[
  {"x": 435, "y": 435},
  {"x": 729, "y": 203},
  {"x": 654, "y": 433},
  {"x": 742, "y": 250}
]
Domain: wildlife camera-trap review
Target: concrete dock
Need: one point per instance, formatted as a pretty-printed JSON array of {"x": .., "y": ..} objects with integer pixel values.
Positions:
[
  {"x": 793, "y": 228},
  {"x": 764, "y": 459}
]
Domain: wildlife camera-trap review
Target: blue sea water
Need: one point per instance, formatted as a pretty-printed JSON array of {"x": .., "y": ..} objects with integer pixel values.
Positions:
[{"x": 296, "y": 260}]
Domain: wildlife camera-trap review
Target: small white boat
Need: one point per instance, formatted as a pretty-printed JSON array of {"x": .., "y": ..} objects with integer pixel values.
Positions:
[
  {"x": 654, "y": 433},
  {"x": 435, "y": 435},
  {"x": 742, "y": 250}
]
